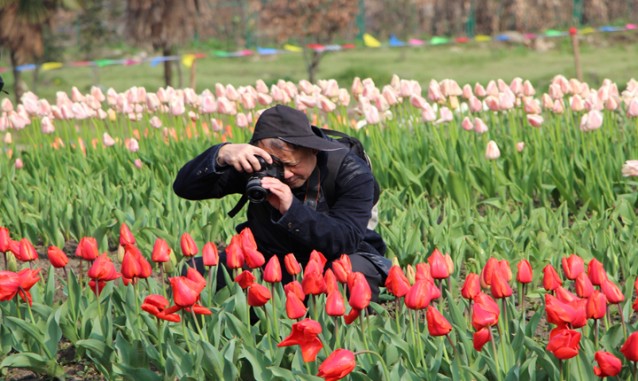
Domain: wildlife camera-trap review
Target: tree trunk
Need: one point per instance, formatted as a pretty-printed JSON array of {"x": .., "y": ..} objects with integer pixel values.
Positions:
[
  {"x": 17, "y": 77},
  {"x": 313, "y": 65},
  {"x": 168, "y": 71}
]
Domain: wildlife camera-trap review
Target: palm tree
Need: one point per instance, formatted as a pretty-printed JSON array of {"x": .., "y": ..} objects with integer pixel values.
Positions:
[
  {"x": 21, "y": 26},
  {"x": 162, "y": 23}
]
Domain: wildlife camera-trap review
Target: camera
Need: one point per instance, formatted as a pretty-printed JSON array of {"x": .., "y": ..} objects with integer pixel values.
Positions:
[{"x": 254, "y": 191}]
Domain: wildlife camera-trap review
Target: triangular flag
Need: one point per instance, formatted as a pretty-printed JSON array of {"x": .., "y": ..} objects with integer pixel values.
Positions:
[
  {"x": 293, "y": 48},
  {"x": 188, "y": 59},
  {"x": 370, "y": 41},
  {"x": 51, "y": 66}
]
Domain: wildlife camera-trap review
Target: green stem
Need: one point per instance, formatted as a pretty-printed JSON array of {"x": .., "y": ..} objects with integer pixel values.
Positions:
[
  {"x": 622, "y": 321},
  {"x": 386, "y": 374},
  {"x": 199, "y": 330},
  {"x": 498, "y": 368},
  {"x": 186, "y": 336}
]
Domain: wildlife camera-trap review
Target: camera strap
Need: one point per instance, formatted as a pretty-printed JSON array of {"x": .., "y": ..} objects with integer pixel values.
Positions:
[{"x": 240, "y": 204}]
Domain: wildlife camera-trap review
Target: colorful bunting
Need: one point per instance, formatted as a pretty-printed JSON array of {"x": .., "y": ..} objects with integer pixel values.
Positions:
[{"x": 368, "y": 41}]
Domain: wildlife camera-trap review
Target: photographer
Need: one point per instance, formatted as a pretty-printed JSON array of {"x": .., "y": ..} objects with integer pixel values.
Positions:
[{"x": 296, "y": 216}]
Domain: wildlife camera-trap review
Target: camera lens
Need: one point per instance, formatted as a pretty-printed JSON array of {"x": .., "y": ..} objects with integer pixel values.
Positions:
[{"x": 254, "y": 191}]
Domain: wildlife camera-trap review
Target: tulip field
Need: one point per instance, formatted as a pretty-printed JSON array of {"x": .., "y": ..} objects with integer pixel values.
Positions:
[{"x": 509, "y": 211}]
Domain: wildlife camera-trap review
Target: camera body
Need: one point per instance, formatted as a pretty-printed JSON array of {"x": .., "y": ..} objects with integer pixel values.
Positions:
[{"x": 254, "y": 191}]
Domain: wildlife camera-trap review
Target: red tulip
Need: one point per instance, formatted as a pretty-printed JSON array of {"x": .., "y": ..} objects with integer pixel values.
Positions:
[
  {"x": 57, "y": 257},
  {"x": 396, "y": 282},
  {"x": 342, "y": 268},
  {"x": 258, "y": 295},
  {"x": 335, "y": 305},
  {"x": 419, "y": 296},
  {"x": 185, "y": 292},
  {"x": 499, "y": 286},
  {"x": 134, "y": 265},
  {"x": 596, "y": 306},
  {"x": 126, "y": 237},
  {"x": 9, "y": 285},
  {"x": 253, "y": 257},
  {"x": 551, "y": 279},
  {"x": 573, "y": 266},
  {"x": 583, "y": 285},
  {"x": 338, "y": 365},
  {"x": 485, "y": 311},
  {"x": 27, "y": 251},
  {"x": 423, "y": 272},
  {"x": 292, "y": 266},
  {"x": 561, "y": 313},
  {"x": 438, "y": 265},
  {"x": 210, "y": 255},
  {"x": 187, "y": 243},
  {"x": 505, "y": 269},
  {"x": 352, "y": 316},
  {"x": 295, "y": 287},
  {"x": 5, "y": 239},
  {"x": 103, "y": 269},
  {"x": 608, "y": 364},
  {"x": 437, "y": 323},
  {"x": 272, "y": 271},
  {"x": 245, "y": 279},
  {"x": 360, "y": 293},
  {"x": 319, "y": 257},
  {"x": 313, "y": 283},
  {"x": 471, "y": 286},
  {"x": 331, "y": 281},
  {"x": 612, "y": 292},
  {"x": 161, "y": 251},
  {"x": 28, "y": 278},
  {"x": 630, "y": 347},
  {"x": 313, "y": 265},
  {"x": 596, "y": 272},
  {"x": 14, "y": 247},
  {"x": 196, "y": 277},
  {"x": 304, "y": 334},
  {"x": 295, "y": 308},
  {"x": 87, "y": 249},
  {"x": 481, "y": 337},
  {"x": 563, "y": 343},
  {"x": 156, "y": 305},
  {"x": 565, "y": 295},
  {"x": 486, "y": 274},
  {"x": 524, "y": 273},
  {"x": 234, "y": 253}
]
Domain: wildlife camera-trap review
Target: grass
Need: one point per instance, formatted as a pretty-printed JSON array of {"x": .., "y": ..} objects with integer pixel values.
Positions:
[{"x": 603, "y": 56}]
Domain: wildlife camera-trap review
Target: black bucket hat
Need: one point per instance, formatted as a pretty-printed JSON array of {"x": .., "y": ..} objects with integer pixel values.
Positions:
[{"x": 291, "y": 126}]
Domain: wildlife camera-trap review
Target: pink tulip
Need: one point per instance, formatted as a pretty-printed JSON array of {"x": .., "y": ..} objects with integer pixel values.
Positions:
[
  {"x": 591, "y": 121},
  {"x": 535, "y": 120},
  {"x": 107, "y": 140},
  {"x": 630, "y": 168},
  {"x": 492, "y": 152},
  {"x": 479, "y": 126}
]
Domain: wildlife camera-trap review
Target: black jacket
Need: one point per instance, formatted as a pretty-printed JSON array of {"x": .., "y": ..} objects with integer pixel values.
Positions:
[{"x": 333, "y": 228}]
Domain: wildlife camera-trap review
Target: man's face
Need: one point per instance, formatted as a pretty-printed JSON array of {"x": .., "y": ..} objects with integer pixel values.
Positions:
[{"x": 299, "y": 163}]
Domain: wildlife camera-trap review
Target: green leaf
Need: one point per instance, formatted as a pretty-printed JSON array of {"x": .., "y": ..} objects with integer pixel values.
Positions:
[
  {"x": 212, "y": 362},
  {"x": 257, "y": 362},
  {"x": 53, "y": 333}
]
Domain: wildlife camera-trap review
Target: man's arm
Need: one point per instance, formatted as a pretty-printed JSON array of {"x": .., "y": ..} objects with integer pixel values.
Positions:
[{"x": 218, "y": 171}]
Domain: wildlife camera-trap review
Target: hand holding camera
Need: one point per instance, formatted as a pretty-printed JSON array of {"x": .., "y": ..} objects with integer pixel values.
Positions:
[
  {"x": 242, "y": 157},
  {"x": 265, "y": 174}
]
